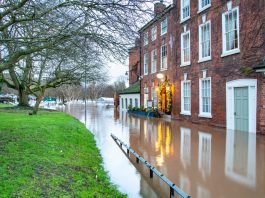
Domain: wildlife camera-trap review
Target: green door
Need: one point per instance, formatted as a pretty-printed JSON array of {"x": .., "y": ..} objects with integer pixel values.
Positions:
[{"x": 241, "y": 108}]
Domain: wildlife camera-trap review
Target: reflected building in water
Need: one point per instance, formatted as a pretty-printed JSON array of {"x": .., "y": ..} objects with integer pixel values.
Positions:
[
  {"x": 203, "y": 161},
  {"x": 240, "y": 158}
]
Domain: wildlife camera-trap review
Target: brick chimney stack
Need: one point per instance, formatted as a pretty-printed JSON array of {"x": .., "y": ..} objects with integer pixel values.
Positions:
[{"x": 159, "y": 7}]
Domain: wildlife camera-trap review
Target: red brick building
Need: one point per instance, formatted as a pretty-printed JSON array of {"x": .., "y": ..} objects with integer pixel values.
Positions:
[
  {"x": 205, "y": 52},
  {"x": 134, "y": 62}
]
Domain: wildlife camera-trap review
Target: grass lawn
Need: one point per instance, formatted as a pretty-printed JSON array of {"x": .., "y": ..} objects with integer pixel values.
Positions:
[
  {"x": 49, "y": 155},
  {"x": 2, "y": 105}
]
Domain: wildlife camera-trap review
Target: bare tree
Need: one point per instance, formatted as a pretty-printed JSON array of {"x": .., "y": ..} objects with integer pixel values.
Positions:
[
  {"x": 105, "y": 24},
  {"x": 45, "y": 44}
]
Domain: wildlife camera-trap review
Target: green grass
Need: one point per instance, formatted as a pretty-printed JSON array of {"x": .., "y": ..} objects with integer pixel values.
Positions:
[
  {"x": 49, "y": 155},
  {"x": 2, "y": 105}
]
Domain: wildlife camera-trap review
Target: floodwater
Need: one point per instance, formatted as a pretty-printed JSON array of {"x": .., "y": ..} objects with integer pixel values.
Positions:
[{"x": 203, "y": 161}]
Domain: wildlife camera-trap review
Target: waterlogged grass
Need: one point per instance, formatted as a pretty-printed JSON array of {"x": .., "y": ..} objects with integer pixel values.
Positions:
[{"x": 49, "y": 155}]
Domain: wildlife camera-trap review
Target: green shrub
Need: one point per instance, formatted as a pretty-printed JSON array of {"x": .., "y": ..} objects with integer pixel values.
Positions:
[{"x": 130, "y": 107}]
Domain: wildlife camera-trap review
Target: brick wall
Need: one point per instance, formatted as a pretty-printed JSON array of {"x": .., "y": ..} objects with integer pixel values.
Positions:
[
  {"x": 134, "y": 64},
  {"x": 156, "y": 44},
  {"x": 220, "y": 69}
]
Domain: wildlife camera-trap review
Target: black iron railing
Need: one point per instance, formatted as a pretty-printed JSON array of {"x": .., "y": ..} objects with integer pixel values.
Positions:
[{"x": 172, "y": 186}]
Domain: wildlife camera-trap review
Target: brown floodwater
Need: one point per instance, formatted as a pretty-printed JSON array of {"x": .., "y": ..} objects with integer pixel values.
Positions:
[{"x": 203, "y": 161}]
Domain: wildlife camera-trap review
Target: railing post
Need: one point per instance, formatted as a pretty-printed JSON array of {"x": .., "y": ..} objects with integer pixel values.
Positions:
[
  {"x": 152, "y": 169},
  {"x": 151, "y": 173},
  {"x": 171, "y": 192}
]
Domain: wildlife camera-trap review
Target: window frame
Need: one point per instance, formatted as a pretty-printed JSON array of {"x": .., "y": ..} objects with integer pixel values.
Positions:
[
  {"x": 153, "y": 61},
  {"x": 136, "y": 102},
  {"x": 153, "y": 38},
  {"x": 126, "y": 103},
  {"x": 182, "y": 50},
  {"x": 200, "y": 8},
  {"x": 183, "y": 111},
  {"x": 226, "y": 52},
  {"x": 154, "y": 92},
  {"x": 146, "y": 63},
  {"x": 181, "y": 12},
  {"x": 161, "y": 58},
  {"x": 201, "y": 113},
  {"x": 161, "y": 25},
  {"x": 202, "y": 59}
]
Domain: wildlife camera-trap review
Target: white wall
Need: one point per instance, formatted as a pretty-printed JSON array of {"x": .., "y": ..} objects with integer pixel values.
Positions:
[{"x": 128, "y": 97}]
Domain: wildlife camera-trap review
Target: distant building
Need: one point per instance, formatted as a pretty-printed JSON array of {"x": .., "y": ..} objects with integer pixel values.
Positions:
[
  {"x": 199, "y": 59},
  {"x": 130, "y": 96},
  {"x": 105, "y": 101}
]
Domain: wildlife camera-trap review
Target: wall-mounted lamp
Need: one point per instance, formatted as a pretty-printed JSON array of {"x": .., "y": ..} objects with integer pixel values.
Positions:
[
  {"x": 126, "y": 73},
  {"x": 160, "y": 75}
]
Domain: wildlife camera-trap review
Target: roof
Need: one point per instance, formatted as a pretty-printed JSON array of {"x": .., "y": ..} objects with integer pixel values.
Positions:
[
  {"x": 157, "y": 17},
  {"x": 134, "y": 88}
]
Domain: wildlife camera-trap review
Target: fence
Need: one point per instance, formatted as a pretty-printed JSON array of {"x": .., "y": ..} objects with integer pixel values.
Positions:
[{"x": 152, "y": 169}]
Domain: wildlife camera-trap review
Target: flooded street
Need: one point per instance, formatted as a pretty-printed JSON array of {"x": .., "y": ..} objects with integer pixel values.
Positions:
[{"x": 203, "y": 161}]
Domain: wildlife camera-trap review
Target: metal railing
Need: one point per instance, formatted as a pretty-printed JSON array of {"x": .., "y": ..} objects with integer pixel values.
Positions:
[{"x": 152, "y": 169}]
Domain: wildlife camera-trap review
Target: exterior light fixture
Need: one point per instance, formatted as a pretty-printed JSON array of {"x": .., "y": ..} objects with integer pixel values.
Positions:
[
  {"x": 160, "y": 75},
  {"x": 126, "y": 73}
]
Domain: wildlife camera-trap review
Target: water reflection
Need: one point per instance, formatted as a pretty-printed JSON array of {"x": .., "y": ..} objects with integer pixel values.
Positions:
[
  {"x": 185, "y": 146},
  {"x": 203, "y": 161},
  {"x": 240, "y": 161}
]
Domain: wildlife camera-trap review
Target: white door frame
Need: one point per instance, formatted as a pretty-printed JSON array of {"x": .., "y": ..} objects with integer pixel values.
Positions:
[{"x": 252, "y": 102}]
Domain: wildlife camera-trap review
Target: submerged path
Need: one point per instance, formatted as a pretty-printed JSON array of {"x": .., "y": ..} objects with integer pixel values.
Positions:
[{"x": 203, "y": 161}]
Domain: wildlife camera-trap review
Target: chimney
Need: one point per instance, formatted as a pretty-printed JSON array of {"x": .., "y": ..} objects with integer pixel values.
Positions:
[{"x": 159, "y": 7}]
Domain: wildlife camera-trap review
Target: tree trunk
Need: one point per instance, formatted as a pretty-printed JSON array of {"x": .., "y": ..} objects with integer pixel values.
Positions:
[
  {"x": 36, "y": 106},
  {"x": 23, "y": 98}
]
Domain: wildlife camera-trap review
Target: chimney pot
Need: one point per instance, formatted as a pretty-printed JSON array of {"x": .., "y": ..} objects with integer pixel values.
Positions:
[{"x": 159, "y": 7}]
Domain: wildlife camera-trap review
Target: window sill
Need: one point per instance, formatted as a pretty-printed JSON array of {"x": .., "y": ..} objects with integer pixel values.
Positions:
[
  {"x": 163, "y": 33},
  {"x": 153, "y": 72},
  {"x": 185, "y": 19},
  {"x": 205, "y": 115},
  {"x": 146, "y": 74},
  {"x": 185, "y": 113},
  {"x": 204, "y": 8},
  {"x": 205, "y": 59},
  {"x": 163, "y": 69},
  {"x": 185, "y": 64},
  {"x": 231, "y": 52}
]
